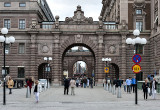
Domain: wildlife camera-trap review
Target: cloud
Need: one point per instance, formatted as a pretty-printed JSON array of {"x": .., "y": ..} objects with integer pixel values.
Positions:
[{"x": 66, "y": 8}]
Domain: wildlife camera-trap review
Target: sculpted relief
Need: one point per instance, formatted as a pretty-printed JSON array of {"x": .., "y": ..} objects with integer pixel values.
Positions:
[
  {"x": 111, "y": 49},
  {"x": 45, "y": 49}
]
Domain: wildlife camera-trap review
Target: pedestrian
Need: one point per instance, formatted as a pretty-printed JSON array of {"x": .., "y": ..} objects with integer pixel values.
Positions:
[
  {"x": 88, "y": 82},
  {"x": 154, "y": 88},
  {"x": 85, "y": 82},
  {"x": 77, "y": 82},
  {"x": 104, "y": 82},
  {"x": 91, "y": 82},
  {"x": 124, "y": 85},
  {"x": 145, "y": 89},
  {"x": 72, "y": 84},
  {"x": 129, "y": 82},
  {"x": 66, "y": 85},
  {"x": 29, "y": 83},
  {"x": 134, "y": 83},
  {"x": 36, "y": 91},
  {"x": 10, "y": 84}
]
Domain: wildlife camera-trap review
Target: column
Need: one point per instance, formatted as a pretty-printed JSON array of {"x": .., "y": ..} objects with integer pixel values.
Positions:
[
  {"x": 33, "y": 51},
  {"x": 56, "y": 60}
]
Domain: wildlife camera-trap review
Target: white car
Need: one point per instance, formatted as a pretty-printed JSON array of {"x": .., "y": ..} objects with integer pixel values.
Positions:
[{"x": 43, "y": 82}]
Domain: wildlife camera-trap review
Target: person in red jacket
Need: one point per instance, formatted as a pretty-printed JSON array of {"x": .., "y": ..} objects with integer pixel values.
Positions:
[{"x": 29, "y": 83}]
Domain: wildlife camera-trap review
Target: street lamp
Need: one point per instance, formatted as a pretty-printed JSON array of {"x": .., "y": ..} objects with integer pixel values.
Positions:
[
  {"x": 5, "y": 40},
  {"x": 47, "y": 59},
  {"x": 136, "y": 42}
]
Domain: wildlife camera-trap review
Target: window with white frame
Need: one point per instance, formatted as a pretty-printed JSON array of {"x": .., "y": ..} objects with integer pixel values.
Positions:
[
  {"x": 7, "y": 48},
  {"x": 7, "y": 69},
  {"x": 21, "y": 49},
  {"x": 7, "y": 23},
  {"x": 138, "y": 11},
  {"x": 139, "y": 25},
  {"x": 22, "y": 24}
]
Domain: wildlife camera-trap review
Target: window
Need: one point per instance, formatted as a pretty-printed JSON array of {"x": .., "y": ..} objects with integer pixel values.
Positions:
[
  {"x": 139, "y": 25},
  {"x": 139, "y": 49},
  {"x": 22, "y": 4},
  {"x": 22, "y": 24},
  {"x": 20, "y": 72},
  {"x": 138, "y": 11},
  {"x": 7, "y": 49},
  {"x": 21, "y": 48},
  {"x": 7, "y": 23},
  {"x": 7, "y": 4},
  {"x": 7, "y": 70}
]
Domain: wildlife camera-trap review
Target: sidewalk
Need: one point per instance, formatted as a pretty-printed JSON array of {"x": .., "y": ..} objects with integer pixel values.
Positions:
[{"x": 85, "y": 99}]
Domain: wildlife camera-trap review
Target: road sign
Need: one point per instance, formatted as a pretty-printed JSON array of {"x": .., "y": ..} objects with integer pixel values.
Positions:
[
  {"x": 136, "y": 58},
  {"x": 106, "y": 69},
  {"x": 136, "y": 68}
]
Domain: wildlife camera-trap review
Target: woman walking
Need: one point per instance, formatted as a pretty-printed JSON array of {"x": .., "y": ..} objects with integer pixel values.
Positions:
[
  {"x": 10, "y": 84},
  {"x": 36, "y": 91},
  {"x": 73, "y": 84},
  {"x": 145, "y": 89},
  {"x": 154, "y": 87}
]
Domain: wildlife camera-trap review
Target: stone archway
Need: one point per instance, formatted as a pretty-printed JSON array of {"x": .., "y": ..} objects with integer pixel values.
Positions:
[{"x": 85, "y": 42}]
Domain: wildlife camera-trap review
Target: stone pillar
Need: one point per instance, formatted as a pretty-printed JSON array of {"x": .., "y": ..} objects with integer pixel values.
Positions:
[
  {"x": 99, "y": 63},
  {"x": 56, "y": 60},
  {"x": 33, "y": 52},
  {"x": 124, "y": 57}
]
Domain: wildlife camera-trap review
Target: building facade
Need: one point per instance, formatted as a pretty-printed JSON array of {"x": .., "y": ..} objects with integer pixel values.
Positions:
[{"x": 106, "y": 38}]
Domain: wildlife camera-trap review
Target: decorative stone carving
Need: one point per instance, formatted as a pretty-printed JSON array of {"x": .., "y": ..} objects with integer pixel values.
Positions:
[
  {"x": 78, "y": 38},
  {"x": 57, "y": 22},
  {"x": 111, "y": 49},
  {"x": 33, "y": 24},
  {"x": 100, "y": 22},
  {"x": 45, "y": 49},
  {"x": 124, "y": 25},
  {"x": 79, "y": 17},
  {"x": 139, "y": 4}
]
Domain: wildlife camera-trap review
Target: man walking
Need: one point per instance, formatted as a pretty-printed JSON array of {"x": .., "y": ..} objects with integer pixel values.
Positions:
[
  {"x": 133, "y": 83},
  {"x": 66, "y": 85},
  {"x": 129, "y": 82}
]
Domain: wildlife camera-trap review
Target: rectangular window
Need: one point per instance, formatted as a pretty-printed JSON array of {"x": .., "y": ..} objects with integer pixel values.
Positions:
[
  {"x": 21, "y": 48},
  {"x": 7, "y": 23},
  {"x": 7, "y": 49},
  {"x": 7, "y": 4},
  {"x": 22, "y": 4},
  {"x": 139, "y": 49},
  {"x": 138, "y": 11},
  {"x": 21, "y": 72},
  {"x": 139, "y": 25},
  {"x": 7, "y": 70},
  {"x": 22, "y": 24}
]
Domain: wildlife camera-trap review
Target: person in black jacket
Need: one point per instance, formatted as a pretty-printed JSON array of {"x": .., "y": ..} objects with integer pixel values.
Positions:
[
  {"x": 66, "y": 85},
  {"x": 145, "y": 89}
]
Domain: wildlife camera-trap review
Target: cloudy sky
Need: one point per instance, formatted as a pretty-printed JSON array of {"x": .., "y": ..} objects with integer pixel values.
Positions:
[{"x": 66, "y": 8}]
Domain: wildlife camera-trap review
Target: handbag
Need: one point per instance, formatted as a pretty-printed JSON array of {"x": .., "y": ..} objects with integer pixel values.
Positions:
[{"x": 155, "y": 91}]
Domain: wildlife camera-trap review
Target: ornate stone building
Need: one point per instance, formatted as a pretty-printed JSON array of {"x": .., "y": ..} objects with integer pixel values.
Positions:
[{"x": 103, "y": 38}]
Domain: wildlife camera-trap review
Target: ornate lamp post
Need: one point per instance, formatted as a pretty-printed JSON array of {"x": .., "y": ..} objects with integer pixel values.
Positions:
[
  {"x": 107, "y": 60},
  {"x": 5, "y": 40},
  {"x": 136, "y": 42},
  {"x": 47, "y": 59}
]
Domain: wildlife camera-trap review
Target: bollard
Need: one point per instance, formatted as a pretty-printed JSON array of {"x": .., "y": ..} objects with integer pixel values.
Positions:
[
  {"x": 119, "y": 92},
  {"x": 48, "y": 85},
  {"x": 104, "y": 86},
  {"x": 28, "y": 95},
  {"x": 110, "y": 88},
  {"x": 107, "y": 87},
  {"x": 40, "y": 87},
  {"x": 45, "y": 87},
  {"x": 114, "y": 90}
]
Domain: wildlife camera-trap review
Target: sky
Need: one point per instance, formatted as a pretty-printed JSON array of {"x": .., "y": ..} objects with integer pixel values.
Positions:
[{"x": 66, "y": 8}]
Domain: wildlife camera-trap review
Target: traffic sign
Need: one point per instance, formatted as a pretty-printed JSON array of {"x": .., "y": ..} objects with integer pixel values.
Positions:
[
  {"x": 106, "y": 69},
  {"x": 136, "y": 68},
  {"x": 136, "y": 58}
]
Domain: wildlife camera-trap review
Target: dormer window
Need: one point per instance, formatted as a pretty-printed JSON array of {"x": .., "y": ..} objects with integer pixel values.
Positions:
[
  {"x": 138, "y": 11},
  {"x": 7, "y": 4},
  {"x": 22, "y": 4}
]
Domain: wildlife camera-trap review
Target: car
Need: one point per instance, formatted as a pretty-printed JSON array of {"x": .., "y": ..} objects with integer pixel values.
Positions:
[{"x": 43, "y": 82}]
